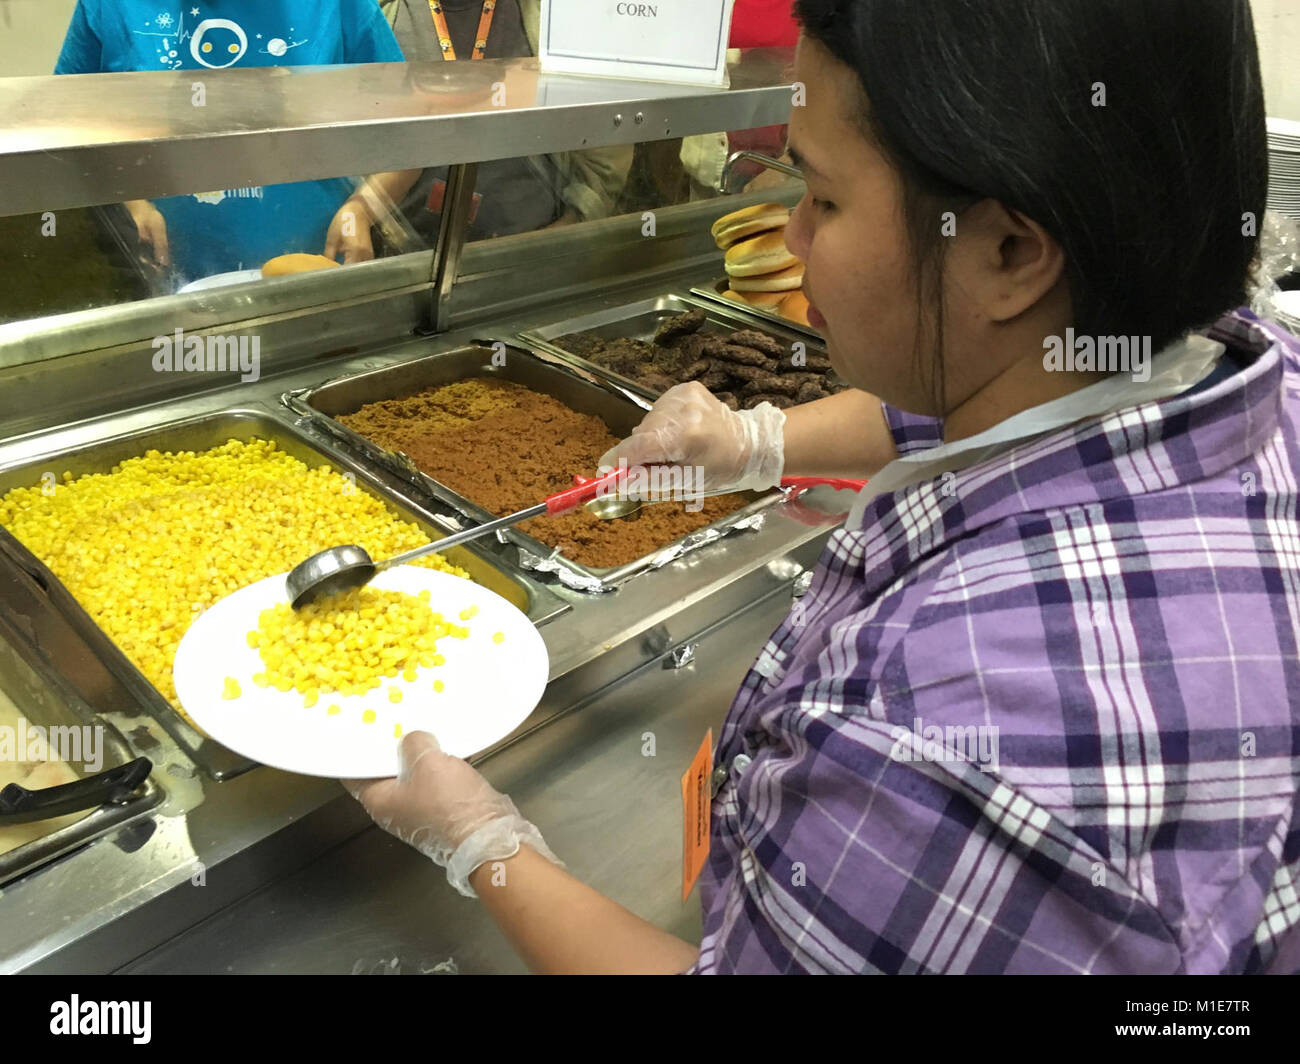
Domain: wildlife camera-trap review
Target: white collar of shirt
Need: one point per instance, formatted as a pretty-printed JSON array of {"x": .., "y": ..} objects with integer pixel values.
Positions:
[{"x": 1174, "y": 370}]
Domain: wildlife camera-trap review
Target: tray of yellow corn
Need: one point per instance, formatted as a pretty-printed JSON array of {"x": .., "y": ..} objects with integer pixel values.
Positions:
[{"x": 132, "y": 538}]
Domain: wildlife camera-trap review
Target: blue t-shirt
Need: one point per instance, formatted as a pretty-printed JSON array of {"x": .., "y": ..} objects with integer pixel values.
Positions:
[{"x": 233, "y": 229}]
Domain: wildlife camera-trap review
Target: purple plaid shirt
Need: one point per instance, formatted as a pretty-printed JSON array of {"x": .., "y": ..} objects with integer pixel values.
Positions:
[{"x": 1042, "y": 718}]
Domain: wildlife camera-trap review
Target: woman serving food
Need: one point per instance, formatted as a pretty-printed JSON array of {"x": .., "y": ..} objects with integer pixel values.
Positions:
[{"x": 1083, "y": 556}]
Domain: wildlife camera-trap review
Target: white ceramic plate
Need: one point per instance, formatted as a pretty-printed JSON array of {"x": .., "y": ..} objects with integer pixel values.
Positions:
[
  {"x": 489, "y": 688},
  {"x": 1284, "y": 127},
  {"x": 1287, "y": 305},
  {"x": 220, "y": 280}
]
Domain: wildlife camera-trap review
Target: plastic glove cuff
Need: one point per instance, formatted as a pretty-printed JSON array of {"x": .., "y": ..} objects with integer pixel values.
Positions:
[
  {"x": 496, "y": 841},
  {"x": 765, "y": 445}
]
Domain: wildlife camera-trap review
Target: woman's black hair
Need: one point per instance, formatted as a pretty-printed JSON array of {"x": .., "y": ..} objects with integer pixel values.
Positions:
[{"x": 1133, "y": 131}]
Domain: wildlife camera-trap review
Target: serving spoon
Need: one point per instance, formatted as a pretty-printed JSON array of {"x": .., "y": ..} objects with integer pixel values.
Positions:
[{"x": 339, "y": 569}]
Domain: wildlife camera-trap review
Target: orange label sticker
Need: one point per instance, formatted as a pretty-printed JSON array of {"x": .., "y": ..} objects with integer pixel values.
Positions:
[{"x": 696, "y": 802}]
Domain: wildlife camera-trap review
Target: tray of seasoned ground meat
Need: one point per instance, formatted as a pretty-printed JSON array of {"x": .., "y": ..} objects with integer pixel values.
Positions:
[
  {"x": 655, "y": 343},
  {"x": 491, "y": 429}
]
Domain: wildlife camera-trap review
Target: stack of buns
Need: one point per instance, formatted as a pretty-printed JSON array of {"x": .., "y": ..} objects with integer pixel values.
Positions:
[{"x": 761, "y": 270}]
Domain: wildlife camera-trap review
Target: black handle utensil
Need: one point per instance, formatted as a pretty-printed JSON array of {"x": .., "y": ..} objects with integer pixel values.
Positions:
[{"x": 113, "y": 786}]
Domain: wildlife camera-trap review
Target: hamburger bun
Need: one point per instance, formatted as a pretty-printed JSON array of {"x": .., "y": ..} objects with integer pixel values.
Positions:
[
  {"x": 781, "y": 281},
  {"x": 298, "y": 262},
  {"x": 758, "y": 255},
  {"x": 739, "y": 224},
  {"x": 766, "y": 300},
  {"x": 795, "y": 307}
]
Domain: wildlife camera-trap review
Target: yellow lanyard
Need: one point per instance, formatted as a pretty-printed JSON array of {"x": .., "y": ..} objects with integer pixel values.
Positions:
[{"x": 444, "y": 34}]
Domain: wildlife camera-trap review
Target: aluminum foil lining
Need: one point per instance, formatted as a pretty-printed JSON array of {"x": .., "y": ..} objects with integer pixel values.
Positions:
[
  {"x": 403, "y": 462},
  {"x": 553, "y": 563},
  {"x": 705, "y": 535},
  {"x": 681, "y": 656}
]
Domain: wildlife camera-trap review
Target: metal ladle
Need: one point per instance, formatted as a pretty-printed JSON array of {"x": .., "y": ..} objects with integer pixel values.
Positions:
[{"x": 343, "y": 568}]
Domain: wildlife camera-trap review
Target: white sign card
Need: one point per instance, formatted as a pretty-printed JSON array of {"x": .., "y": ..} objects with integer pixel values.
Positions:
[{"x": 649, "y": 40}]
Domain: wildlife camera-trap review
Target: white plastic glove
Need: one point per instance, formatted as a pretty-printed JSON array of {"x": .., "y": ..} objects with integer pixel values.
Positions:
[
  {"x": 442, "y": 806},
  {"x": 736, "y": 449}
]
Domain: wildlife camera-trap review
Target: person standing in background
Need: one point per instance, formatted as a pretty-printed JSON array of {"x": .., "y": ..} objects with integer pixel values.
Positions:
[
  {"x": 511, "y": 195},
  {"x": 232, "y": 229},
  {"x": 754, "y": 24},
  {"x": 763, "y": 24}
]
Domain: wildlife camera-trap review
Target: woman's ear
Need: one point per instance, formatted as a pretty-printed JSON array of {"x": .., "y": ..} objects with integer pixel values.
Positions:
[{"x": 1003, "y": 262}]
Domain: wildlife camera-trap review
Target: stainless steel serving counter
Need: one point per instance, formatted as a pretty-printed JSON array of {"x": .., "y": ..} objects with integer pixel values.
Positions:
[
  {"x": 246, "y": 853},
  {"x": 373, "y": 905}
]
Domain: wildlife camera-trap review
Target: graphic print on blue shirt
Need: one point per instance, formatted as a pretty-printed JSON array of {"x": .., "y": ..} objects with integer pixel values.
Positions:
[
  {"x": 132, "y": 35},
  {"x": 213, "y": 232}
]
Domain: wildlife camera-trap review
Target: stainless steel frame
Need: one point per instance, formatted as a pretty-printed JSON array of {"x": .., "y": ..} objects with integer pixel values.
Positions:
[
  {"x": 311, "y": 319},
  {"x": 451, "y": 240},
  {"x": 149, "y": 137}
]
